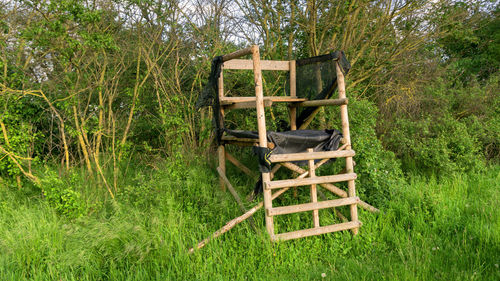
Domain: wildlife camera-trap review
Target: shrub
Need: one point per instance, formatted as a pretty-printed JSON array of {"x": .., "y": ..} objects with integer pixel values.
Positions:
[
  {"x": 437, "y": 145},
  {"x": 61, "y": 194}
]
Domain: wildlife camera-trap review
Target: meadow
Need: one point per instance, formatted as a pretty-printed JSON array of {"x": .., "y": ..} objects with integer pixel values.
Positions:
[{"x": 430, "y": 229}]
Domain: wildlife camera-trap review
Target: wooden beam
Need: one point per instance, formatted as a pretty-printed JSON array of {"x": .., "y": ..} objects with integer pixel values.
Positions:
[
  {"x": 308, "y": 181},
  {"x": 261, "y": 123},
  {"x": 239, "y": 165},
  {"x": 314, "y": 193},
  {"x": 238, "y": 54},
  {"x": 315, "y": 103},
  {"x": 313, "y": 206},
  {"x": 247, "y": 104},
  {"x": 265, "y": 64},
  {"x": 317, "y": 231},
  {"x": 311, "y": 155},
  {"x": 232, "y": 223},
  {"x": 236, "y": 196},
  {"x": 293, "y": 93},
  {"x": 222, "y": 165},
  {"x": 231, "y": 100},
  {"x": 346, "y": 135}
]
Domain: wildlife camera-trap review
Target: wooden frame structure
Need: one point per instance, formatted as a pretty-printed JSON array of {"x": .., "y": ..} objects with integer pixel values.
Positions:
[{"x": 306, "y": 177}]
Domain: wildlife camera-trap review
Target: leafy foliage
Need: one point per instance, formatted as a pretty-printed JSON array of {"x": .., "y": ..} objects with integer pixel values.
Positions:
[{"x": 62, "y": 195}]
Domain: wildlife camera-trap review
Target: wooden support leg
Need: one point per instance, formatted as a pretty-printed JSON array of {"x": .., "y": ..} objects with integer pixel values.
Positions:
[
  {"x": 222, "y": 165},
  {"x": 261, "y": 124},
  {"x": 346, "y": 134},
  {"x": 314, "y": 194}
]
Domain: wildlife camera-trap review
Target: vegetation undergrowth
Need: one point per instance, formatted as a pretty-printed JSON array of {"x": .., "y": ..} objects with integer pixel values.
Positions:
[{"x": 430, "y": 229}]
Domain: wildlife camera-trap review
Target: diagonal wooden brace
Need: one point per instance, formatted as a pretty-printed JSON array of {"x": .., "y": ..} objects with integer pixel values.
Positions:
[{"x": 339, "y": 192}]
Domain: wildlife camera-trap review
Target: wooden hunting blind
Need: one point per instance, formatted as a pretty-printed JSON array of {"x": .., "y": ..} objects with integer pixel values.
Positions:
[{"x": 312, "y": 82}]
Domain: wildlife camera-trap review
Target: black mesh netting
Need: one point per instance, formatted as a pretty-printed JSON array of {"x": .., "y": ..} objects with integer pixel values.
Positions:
[{"x": 316, "y": 79}]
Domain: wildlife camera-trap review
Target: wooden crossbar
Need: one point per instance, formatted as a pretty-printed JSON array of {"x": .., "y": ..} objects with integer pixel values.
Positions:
[
  {"x": 264, "y": 64},
  {"x": 246, "y": 104},
  {"x": 317, "y": 230},
  {"x": 311, "y": 155},
  {"x": 231, "y": 100},
  {"x": 312, "y": 206},
  {"x": 314, "y": 103},
  {"x": 309, "y": 181}
]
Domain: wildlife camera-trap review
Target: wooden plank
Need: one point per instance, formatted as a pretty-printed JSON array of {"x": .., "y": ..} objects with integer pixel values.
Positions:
[
  {"x": 346, "y": 135},
  {"x": 311, "y": 155},
  {"x": 239, "y": 165},
  {"x": 237, "y": 54},
  {"x": 313, "y": 206},
  {"x": 308, "y": 181},
  {"x": 247, "y": 104},
  {"x": 261, "y": 123},
  {"x": 232, "y": 100},
  {"x": 317, "y": 231},
  {"x": 315, "y": 103},
  {"x": 265, "y": 64},
  {"x": 314, "y": 193}
]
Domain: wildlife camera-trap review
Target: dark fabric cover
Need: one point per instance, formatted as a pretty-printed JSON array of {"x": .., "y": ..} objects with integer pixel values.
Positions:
[
  {"x": 292, "y": 142},
  {"x": 209, "y": 97},
  {"x": 296, "y": 141}
]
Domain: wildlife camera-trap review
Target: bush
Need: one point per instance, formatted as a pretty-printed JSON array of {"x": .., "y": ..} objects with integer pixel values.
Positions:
[
  {"x": 61, "y": 194},
  {"x": 435, "y": 145}
]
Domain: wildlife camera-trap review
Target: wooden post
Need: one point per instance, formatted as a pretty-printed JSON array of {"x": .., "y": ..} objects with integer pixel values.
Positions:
[
  {"x": 293, "y": 109},
  {"x": 261, "y": 123},
  {"x": 314, "y": 193},
  {"x": 293, "y": 93},
  {"x": 221, "y": 151},
  {"x": 345, "y": 131}
]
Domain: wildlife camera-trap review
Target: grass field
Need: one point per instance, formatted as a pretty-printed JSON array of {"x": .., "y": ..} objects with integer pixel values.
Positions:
[{"x": 446, "y": 229}]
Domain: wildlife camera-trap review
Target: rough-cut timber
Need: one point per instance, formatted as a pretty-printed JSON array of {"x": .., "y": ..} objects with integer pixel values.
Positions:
[
  {"x": 318, "y": 230},
  {"x": 309, "y": 181},
  {"x": 312, "y": 206},
  {"x": 311, "y": 155}
]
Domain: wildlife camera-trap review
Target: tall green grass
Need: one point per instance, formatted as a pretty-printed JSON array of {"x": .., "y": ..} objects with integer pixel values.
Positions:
[{"x": 446, "y": 229}]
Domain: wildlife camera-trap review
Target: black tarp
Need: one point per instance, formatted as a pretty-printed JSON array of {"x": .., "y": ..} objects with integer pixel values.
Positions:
[{"x": 292, "y": 142}]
